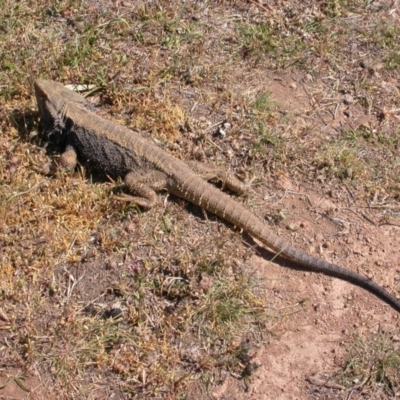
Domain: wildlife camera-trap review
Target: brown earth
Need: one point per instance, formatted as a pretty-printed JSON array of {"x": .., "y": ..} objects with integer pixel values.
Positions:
[{"x": 309, "y": 345}]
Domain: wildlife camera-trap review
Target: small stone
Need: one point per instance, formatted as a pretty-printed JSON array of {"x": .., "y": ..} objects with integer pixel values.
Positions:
[
  {"x": 12, "y": 169},
  {"x": 206, "y": 283},
  {"x": 130, "y": 227},
  {"x": 291, "y": 227},
  {"x": 221, "y": 132},
  {"x": 114, "y": 313},
  {"x": 348, "y": 99},
  {"x": 348, "y": 173},
  {"x": 235, "y": 145}
]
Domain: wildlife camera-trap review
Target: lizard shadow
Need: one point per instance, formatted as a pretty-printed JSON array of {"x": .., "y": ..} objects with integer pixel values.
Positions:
[
  {"x": 270, "y": 256},
  {"x": 25, "y": 121},
  {"x": 248, "y": 240},
  {"x": 28, "y": 125}
]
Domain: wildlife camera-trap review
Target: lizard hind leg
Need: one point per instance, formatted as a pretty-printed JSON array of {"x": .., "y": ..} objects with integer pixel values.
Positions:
[
  {"x": 209, "y": 172},
  {"x": 143, "y": 187}
]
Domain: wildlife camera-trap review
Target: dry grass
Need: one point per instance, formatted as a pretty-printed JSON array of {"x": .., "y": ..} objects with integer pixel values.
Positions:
[
  {"x": 372, "y": 366},
  {"x": 99, "y": 298}
]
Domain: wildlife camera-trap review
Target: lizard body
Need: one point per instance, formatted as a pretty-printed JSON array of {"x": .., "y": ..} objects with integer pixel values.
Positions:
[{"x": 147, "y": 168}]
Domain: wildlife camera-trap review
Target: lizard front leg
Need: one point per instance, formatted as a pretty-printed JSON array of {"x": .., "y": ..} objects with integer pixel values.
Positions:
[
  {"x": 69, "y": 158},
  {"x": 144, "y": 185},
  {"x": 67, "y": 161}
]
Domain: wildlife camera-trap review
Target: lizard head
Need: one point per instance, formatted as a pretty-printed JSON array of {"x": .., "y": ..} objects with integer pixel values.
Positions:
[{"x": 52, "y": 99}]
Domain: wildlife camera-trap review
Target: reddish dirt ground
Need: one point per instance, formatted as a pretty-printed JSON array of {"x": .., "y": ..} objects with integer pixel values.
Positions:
[{"x": 295, "y": 364}]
